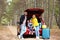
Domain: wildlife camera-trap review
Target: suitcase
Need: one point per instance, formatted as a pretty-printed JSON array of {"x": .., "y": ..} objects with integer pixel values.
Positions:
[{"x": 46, "y": 33}]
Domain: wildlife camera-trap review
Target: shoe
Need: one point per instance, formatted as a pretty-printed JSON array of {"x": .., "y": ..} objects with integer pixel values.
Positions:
[
  {"x": 37, "y": 37},
  {"x": 32, "y": 33},
  {"x": 22, "y": 38},
  {"x": 19, "y": 36}
]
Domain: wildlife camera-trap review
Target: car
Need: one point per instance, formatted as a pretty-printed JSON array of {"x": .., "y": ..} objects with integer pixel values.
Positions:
[{"x": 38, "y": 12}]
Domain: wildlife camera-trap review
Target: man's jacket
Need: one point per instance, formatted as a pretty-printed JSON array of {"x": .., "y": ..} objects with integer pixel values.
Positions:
[{"x": 22, "y": 19}]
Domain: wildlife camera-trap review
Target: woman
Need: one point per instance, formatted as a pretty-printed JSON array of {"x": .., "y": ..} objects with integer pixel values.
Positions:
[{"x": 35, "y": 25}]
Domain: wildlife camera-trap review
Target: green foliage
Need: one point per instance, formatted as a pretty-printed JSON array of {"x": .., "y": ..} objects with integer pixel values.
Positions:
[
  {"x": 17, "y": 7},
  {"x": 4, "y": 20},
  {"x": 57, "y": 11}
]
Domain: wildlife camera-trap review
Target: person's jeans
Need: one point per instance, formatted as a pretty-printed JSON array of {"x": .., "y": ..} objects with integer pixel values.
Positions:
[
  {"x": 23, "y": 30},
  {"x": 37, "y": 31}
]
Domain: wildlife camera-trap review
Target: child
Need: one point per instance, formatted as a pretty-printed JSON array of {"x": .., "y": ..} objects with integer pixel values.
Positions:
[
  {"x": 35, "y": 25},
  {"x": 41, "y": 21},
  {"x": 30, "y": 27}
]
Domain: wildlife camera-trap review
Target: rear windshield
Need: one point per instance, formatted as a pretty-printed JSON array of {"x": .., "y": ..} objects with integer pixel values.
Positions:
[{"x": 29, "y": 16}]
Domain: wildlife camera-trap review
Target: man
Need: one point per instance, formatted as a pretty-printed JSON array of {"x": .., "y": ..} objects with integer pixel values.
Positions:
[{"x": 23, "y": 19}]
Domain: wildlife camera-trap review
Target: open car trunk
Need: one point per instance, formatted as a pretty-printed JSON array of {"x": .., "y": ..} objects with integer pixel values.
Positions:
[{"x": 37, "y": 11}]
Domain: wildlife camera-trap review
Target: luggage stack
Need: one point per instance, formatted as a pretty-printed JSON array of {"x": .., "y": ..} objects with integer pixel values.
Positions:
[{"x": 45, "y": 32}]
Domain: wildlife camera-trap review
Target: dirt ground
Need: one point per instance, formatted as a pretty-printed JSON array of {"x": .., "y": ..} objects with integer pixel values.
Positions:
[{"x": 9, "y": 33}]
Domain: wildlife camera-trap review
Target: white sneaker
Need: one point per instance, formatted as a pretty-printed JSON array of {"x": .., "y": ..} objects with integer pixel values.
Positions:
[
  {"x": 19, "y": 36},
  {"x": 37, "y": 37},
  {"x": 22, "y": 38}
]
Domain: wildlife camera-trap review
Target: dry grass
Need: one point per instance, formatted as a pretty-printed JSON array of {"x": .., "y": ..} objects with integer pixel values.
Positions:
[
  {"x": 5, "y": 34},
  {"x": 55, "y": 34}
]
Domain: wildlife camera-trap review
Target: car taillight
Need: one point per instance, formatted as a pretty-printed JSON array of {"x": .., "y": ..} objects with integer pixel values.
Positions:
[{"x": 40, "y": 31}]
